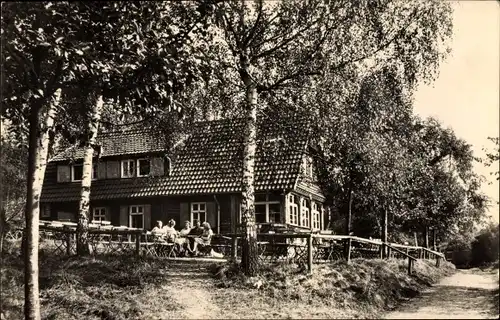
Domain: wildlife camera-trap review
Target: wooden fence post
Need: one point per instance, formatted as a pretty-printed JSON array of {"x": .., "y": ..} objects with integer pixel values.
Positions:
[
  {"x": 438, "y": 261},
  {"x": 348, "y": 247},
  {"x": 138, "y": 244},
  {"x": 234, "y": 247},
  {"x": 68, "y": 242},
  {"x": 388, "y": 252},
  {"x": 381, "y": 249},
  {"x": 410, "y": 262},
  {"x": 310, "y": 252}
]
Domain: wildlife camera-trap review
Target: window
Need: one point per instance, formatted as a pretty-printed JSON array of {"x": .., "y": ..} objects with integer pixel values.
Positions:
[
  {"x": 46, "y": 211},
  {"x": 128, "y": 168},
  {"x": 260, "y": 213},
  {"x": 198, "y": 211},
  {"x": 267, "y": 209},
  {"x": 293, "y": 210},
  {"x": 143, "y": 167},
  {"x": 77, "y": 172},
  {"x": 99, "y": 214},
  {"x": 316, "y": 215},
  {"x": 136, "y": 217},
  {"x": 304, "y": 214}
]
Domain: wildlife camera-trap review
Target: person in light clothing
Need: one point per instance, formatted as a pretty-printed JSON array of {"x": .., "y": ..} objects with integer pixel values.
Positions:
[
  {"x": 182, "y": 240},
  {"x": 170, "y": 233},
  {"x": 204, "y": 239}
]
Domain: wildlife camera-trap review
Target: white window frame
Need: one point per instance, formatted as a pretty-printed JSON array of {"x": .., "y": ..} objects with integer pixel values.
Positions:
[
  {"x": 122, "y": 167},
  {"x": 268, "y": 202},
  {"x": 102, "y": 214},
  {"x": 138, "y": 167},
  {"x": 316, "y": 216},
  {"x": 197, "y": 211},
  {"x": 92, "y": 174},
  {"x": 293, "y": 208},
  {"x": 137, "y": 213},
  {"x": 304, "y": 213}
]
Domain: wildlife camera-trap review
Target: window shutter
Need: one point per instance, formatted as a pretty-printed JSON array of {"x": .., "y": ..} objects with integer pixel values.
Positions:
[
  {"x": 184, "y": 213},
  {"x": 147, "y": 217},
  {"x": 101, "y": 170},
  {"x": 157, "y": 167},
  {"x": 211, "y": 215},
  {"x": 63, "y": 173},
  {"x": 108, "y": 214},
  {"x": 113, "y": 169},
  {"x": 124, "y": 216}
]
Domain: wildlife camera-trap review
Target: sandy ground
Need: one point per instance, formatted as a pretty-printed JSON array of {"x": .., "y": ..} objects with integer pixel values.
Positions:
[{"x": 465, "y": 295}]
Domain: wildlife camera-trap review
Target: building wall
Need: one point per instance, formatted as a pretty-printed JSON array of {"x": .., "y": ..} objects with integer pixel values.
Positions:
[
  {"x": 222, "y": 211},
  {"x": 218, "y": 211}
]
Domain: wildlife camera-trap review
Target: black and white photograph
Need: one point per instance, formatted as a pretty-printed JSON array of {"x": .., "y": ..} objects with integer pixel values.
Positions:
[{"x": 250, "y": 159}]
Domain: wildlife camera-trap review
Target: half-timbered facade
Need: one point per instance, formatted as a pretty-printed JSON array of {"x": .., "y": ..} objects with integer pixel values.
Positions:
[{"x": 135, "y": 181}]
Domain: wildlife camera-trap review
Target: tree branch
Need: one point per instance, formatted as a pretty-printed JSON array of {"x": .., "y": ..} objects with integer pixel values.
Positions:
[
  {"x": 283, "y": 43},
  {"x": 380, "y": 48},
  {"x": 251, "y": 34}
]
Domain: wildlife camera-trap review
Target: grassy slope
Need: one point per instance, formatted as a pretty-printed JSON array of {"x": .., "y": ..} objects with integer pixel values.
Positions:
[
  {"x": 362, "y": 288},
  {"x": 128, "y": 288}
]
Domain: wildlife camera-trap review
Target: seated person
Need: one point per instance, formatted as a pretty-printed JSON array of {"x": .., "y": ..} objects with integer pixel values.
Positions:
[
  {"x": 205, "y": 238},
  {"x": 186, "y": 230},
  {"x": 197, "y": 230},
  {"x": 158, "y": 227},
  {"x": 170, "y": 232},
  {"x": 182, "y": 240},
  {"x": 158, "y": 231}
]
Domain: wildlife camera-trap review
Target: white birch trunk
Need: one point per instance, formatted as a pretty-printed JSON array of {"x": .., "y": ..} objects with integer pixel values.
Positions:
[
  {"x": 249, "y": 252},
  {"x": 250, "y": 257},
  {"x": 84, "y": 207},
  {"x": 38, "y": 149}
]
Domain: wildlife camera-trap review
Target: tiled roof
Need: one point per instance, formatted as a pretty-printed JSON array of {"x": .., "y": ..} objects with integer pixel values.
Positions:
[
  {"x": 119, "y": 143},
  {"x": 209, "y": 162}
]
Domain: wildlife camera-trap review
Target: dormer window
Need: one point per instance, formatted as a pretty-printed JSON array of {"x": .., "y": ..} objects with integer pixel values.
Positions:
[
  {"x": 77, "y": 172},
  {"x": 128, "y": 168},
  {"x": 143, "y": 167}
]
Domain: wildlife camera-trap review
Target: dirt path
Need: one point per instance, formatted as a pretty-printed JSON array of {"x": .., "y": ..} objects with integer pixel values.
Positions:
[
  {"x": 189, "y": 287},
  {"x": 465, "y": 295}
]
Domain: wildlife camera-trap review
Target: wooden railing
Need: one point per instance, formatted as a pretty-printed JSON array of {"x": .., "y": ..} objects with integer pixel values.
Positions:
[
  {"x": 320, "y": 248},
  {"x": 301, "y": 247}
]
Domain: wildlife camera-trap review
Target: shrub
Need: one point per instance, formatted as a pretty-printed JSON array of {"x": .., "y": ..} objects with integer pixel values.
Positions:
[{"x": 485, "y": 247}]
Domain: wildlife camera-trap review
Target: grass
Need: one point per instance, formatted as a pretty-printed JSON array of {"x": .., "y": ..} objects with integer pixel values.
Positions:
[
  {"x": 360, "y": 289},
  {"x": 87, "y": 288},
  {"x": 146, "y": 288}
]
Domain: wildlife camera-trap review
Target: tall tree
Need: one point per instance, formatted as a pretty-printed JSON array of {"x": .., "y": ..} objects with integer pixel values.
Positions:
[
  {"x": 139, "y": 60},
  {"x": 32, "y": 73},
  {"x": 50, "y": 46},
  {"x": 282, "y": 46}
]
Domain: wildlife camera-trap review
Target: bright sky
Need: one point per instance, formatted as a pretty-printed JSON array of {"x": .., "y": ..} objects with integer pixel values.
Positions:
[{"x": 466, "y": 95}]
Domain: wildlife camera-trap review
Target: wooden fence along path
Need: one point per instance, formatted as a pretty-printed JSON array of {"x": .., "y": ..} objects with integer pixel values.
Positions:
[{"x": 298, "y": 247}]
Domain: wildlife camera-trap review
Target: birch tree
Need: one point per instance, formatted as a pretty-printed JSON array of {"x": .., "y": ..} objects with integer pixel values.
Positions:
[
  {"x": 285, "y": 46},
  {"x": 32, "y": 74},
  {"x": 46, "y": 48},
  {"x": 137, "y": 57}
]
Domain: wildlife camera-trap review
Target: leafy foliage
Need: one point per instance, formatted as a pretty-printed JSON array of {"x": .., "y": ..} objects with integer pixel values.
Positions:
[
  {"x": 493, "y": 157},
  {"x": 13, "y": 177},
  {"x": 485, "y": 247}
]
